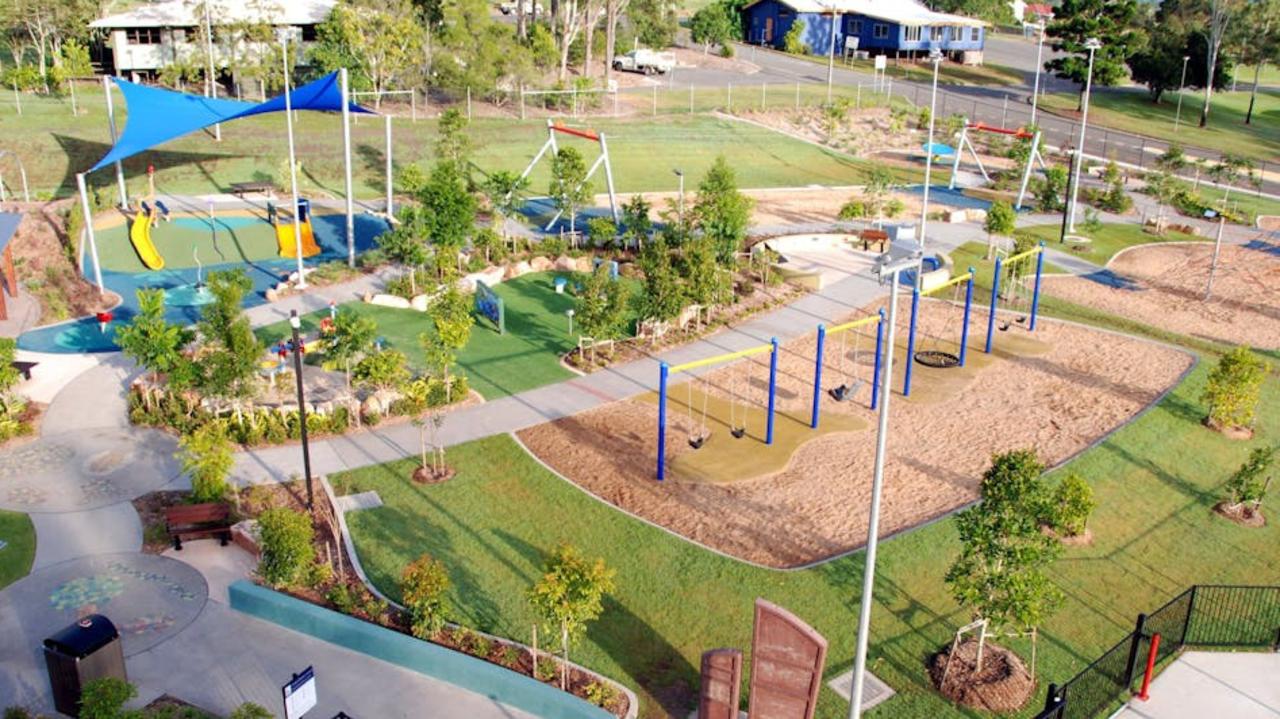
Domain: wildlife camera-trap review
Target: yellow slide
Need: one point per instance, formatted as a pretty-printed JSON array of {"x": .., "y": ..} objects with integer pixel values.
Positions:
[
  {"x": 284, "y": 235},
  {"x": 140, "y": 235}
]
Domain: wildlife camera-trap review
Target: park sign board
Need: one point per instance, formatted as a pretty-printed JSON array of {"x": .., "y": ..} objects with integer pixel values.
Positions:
[
  {"x": 300, "y": 694},
  {"x": 787, "y": 658}
]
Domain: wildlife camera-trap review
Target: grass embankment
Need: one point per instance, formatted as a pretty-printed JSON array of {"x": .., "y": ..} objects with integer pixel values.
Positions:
[
  {"x": 19, "y": 551},
  {"x": 1106, "y": 242},
  {"x": 643, "y": 150},
  {"x": 527, "y": 356},
  {"x": 1130, "y": 109},
  {"x": 1156, "y": 481}
]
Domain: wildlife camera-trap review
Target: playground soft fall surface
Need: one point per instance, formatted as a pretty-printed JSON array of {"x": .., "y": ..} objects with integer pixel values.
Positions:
[
  {"x": 1165, "y": 286},
  {"x": 805, "y": 498}
]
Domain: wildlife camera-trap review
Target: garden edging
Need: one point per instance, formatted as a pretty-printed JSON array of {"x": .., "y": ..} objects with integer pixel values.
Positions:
[{"x": 633, "y": 702}]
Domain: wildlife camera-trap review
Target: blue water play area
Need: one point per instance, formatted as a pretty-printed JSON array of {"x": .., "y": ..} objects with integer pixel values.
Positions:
[{"x": 183, "y": 295}]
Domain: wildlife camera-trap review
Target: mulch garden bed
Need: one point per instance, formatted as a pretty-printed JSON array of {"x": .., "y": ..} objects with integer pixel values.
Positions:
[
  {"x": 1002, "y": 685},
  {"x": 1241, "y": 514}
]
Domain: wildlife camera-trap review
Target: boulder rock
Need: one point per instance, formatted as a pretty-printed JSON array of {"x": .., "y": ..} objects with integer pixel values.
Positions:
[
  {"x": 540, "y": 264},
  {"x": 565, "y": 263},
  {"x": 420, "y": 302},
  {"x": 957, "y": 216},
  {"x": 384, "y": 300},
  {"x": 975, "y": 215},
  {"x": 517, "y": 270},
  {"x": 271, "y": 294},
  {"x": 584, "y": 264}
]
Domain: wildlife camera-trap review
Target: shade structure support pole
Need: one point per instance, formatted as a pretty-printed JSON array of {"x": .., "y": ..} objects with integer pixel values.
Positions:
[
  {"x": 346, "y": 156},
  {"x": 391, "y": 207},
  {"x": 293, "y": 166},
  {"x": 88, "y": 229},
  {"x": 111, "y": 123}
]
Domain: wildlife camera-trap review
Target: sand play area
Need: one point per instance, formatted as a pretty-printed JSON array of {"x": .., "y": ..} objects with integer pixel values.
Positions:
[
  {"x": 805, "y": 497},
  {"x": 1164, "y": 285}
]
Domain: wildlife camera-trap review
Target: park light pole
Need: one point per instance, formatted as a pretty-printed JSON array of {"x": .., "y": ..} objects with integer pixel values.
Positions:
[
  {"x": 893, "y": 269},
  {"x": 1092, "y": 45},
  {"x": 935, "y": 55},
  {"x": 1181, "y": 84},
  {"x": 1035, "y": 92},
  {"x": 208, "y": 82},
  {"x": 295, "y": 323},
  {"x": 680, "y": 199},
  {"x": 831, "y": 56}
]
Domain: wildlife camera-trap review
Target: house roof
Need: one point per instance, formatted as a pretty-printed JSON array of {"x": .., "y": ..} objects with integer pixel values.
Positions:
[
  {"x": 1040, "y": 9},
  {"x": 903, "y": 12},
  {"x": 182, "y": 13}
]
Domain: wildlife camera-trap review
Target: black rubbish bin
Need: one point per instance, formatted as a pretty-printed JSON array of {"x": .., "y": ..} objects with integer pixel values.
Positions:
[{"x": 87, "y": 650}]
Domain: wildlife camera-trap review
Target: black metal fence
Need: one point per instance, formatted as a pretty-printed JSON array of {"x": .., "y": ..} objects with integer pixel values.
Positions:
[{"x": 1204, "y": 616}]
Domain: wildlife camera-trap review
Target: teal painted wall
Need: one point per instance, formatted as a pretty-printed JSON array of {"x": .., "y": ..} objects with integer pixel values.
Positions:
[{"x": 435, "y": 661}]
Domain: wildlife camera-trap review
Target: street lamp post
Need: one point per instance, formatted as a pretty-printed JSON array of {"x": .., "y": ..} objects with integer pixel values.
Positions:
[
  {"x": 295, "y": 323},
  {"x": 1181, "y": 84},
  {"x": 1035, "y": 92},
  {"x": 1092, "y": 45},
  {"x": 831, "y": 56},
  {"x": 893, "y": 269},
  {"x": 935, "y": 56}
]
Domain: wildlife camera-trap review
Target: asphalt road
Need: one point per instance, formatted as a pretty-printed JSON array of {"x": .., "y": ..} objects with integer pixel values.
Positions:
[{"x": 1008, "y": 106}]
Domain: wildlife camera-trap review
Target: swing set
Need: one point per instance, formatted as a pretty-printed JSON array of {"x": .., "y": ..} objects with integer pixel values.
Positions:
[
  {"x": 1019, "y": 134},
  {"x": 1016, "y": 295},
  {"x": 850, "y": 383},
  {"x": 700, "y": 430},
  {"x": 932, "y": 352}
]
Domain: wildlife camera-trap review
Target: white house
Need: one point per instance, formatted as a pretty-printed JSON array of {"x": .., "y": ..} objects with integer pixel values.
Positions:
[
  {"x": 1031, "y": 13},
  {"x": 141, "y": 41}
]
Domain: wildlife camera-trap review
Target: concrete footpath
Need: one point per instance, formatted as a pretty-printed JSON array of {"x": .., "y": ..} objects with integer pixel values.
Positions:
[{"x": 1238, "y": 685}]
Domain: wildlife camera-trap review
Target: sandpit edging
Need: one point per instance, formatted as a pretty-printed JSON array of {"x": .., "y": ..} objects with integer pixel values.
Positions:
[{"x": 1172, "y": 243}]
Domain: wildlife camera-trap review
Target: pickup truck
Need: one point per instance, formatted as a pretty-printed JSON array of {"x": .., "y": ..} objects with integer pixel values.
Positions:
[
  {"x": 649, "y": 62},
  {"x": 530, "y": 8}
]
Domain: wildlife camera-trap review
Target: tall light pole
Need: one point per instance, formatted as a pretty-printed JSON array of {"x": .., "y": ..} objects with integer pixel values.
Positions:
[
  {"x": 831, "y": 56},
  {"x": 1035, "y": 93},
  {"x": 680, "y": 199},
  {"x": 295, "y": 323},
  {"x": 1181, "y": 84},
  {"x": 1092, "y": 45},
  {"x": 935, "y": 55},
  {"x": 893, "y": 268}
]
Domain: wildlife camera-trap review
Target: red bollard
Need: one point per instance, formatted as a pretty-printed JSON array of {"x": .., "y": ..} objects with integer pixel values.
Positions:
[{"x": 1151, "y": 667}]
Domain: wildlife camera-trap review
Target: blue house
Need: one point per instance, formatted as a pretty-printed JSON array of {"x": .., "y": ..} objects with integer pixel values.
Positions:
[{"x": 902, "y": 28}]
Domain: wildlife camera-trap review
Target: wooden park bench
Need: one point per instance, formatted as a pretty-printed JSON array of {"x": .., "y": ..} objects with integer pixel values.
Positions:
[
  {"x": 873, "y": 236},
  {"x": 240, "y": 189},
  {"x": 190, "y": 521}
]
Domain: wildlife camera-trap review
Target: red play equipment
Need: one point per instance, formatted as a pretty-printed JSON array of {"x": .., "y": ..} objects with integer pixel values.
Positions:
[
  {"x": 1019, "y": 133},
  {"x": 597, "y": 137}
]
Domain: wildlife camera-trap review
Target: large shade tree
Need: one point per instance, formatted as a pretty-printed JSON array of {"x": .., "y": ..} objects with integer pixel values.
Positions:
[{"x": 1110, "y": 21}]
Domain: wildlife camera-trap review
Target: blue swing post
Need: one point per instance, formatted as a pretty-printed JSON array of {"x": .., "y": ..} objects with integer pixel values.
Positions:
[
  {"x": 663, "y": 372},
  {"x": 1035, "y": 294},
  {"x": 911, "y": 341},
  {"x": 968, "y": 310},
  {"x": 817, "y": 375},
  {"x": 875, "y": 376},
  {"x": 991, "y": 311},
  {"x": 773, "y": 388}
]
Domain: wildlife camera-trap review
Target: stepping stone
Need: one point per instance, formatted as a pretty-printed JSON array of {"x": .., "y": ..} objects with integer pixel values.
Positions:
[
  {"x": 874, "y": 690},
  {"x": 363, "y": 500}
]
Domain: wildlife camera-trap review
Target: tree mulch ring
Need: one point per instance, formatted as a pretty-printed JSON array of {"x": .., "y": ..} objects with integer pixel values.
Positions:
[
  {"x": 1003, "y": 684},
  {"x": 1232, "y": 432},
  {"x": 428, "y": 475},
  {"x": 1242, "y": 514},
  {"x": 1083, "y": 539}
]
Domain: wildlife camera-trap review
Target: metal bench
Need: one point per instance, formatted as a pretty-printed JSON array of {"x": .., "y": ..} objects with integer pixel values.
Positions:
[{"x": 240, "y": 189}]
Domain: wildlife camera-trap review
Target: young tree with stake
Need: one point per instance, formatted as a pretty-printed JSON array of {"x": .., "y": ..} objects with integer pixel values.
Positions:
[{"x": 570, "y": 595}]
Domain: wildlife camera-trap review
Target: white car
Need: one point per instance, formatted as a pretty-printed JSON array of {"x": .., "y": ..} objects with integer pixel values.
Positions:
[
  {"x": 648, "y": 62},
  {"x": 530, "y": 8}
]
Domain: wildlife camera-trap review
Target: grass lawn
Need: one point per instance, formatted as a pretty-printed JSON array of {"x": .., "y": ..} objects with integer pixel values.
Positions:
[
  {"x": 1130, "y": 109},
  {"x": 527, "y": 356},
  {"x": 1112, "y": 238},
  {"x": 55, "y": 145},
  {"x": 1155, "y": 480},
  {"x": 20, "y": 547},
  {"x": 1244, "y": 200}
]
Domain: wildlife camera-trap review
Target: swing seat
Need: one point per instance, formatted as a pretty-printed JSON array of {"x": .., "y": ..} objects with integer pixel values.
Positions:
[
  {"x": 1004, "y": 327},
  {"x": 840, "y": 393},
  {"x": 738, "y": 432},
  {"x": 937, "y": 359},
  {"x": 697, "y": 442}
]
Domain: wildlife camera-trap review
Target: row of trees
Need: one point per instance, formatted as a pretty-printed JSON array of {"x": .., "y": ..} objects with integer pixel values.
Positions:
[{"x": 1214, "y": 34}]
